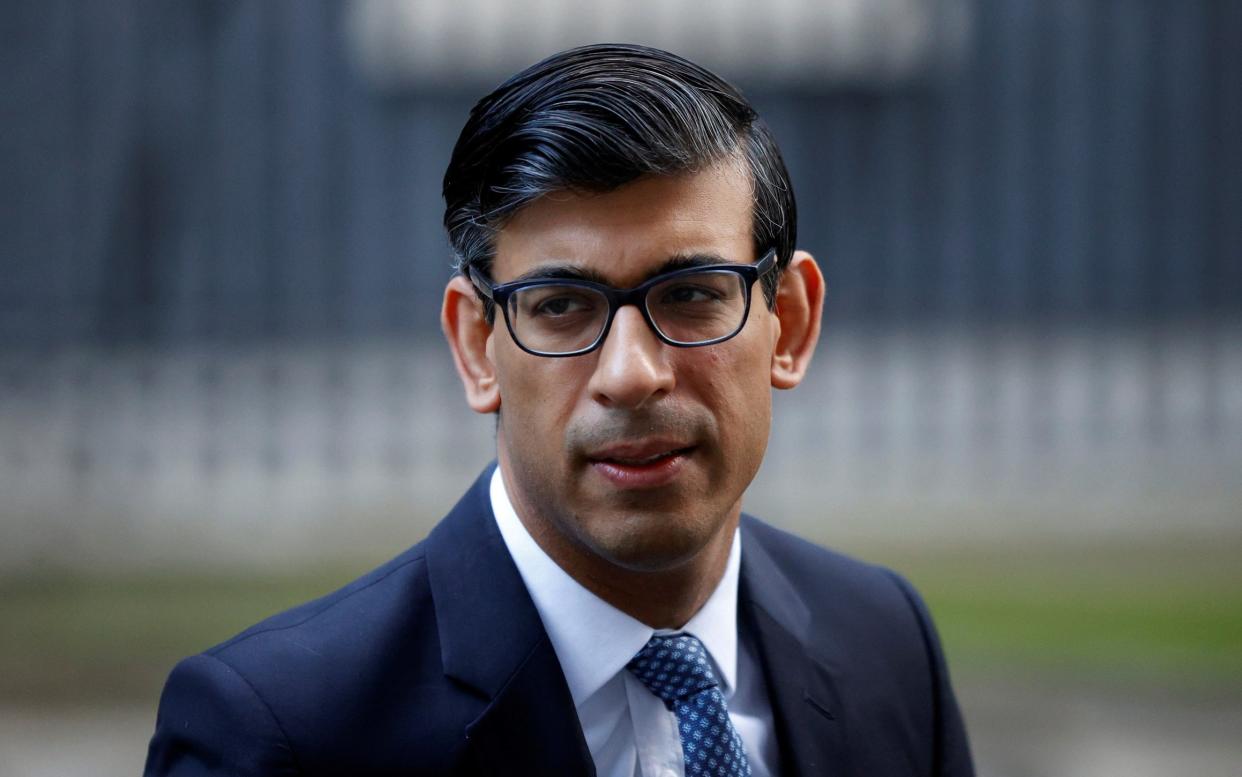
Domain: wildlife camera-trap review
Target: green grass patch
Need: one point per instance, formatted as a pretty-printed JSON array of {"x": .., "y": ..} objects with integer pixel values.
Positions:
[
  {"x": 117, "y": 637},
  {"x": 1167, "y": 615}
]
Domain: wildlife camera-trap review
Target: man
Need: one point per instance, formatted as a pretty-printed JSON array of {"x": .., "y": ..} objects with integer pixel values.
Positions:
[{"x": 629, "y": 295}]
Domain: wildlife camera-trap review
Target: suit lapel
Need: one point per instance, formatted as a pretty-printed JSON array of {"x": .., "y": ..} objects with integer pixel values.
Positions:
[
  {"x": 493, "y": 642},
  {"x": 531, "y": 726},
  {"x": 805, "y": 705}
]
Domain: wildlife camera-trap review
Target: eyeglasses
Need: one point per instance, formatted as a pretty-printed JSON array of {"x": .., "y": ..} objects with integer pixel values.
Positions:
[{"x": 569, "y": 317}]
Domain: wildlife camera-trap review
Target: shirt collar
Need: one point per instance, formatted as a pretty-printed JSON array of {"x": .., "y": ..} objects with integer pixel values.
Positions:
[{"x": 594, "y": 640}]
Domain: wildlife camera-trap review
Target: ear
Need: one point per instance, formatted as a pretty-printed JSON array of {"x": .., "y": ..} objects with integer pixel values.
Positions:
[
  {"x": 468, "y": 335},
  {"x": 799, "y": 305}
]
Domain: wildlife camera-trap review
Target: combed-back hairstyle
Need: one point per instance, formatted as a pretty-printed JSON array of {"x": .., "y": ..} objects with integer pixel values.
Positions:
[{"x": 594, "y": 119}]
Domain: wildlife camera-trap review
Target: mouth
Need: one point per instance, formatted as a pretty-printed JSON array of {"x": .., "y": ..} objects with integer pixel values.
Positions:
[{"x": 647, "y": 464}]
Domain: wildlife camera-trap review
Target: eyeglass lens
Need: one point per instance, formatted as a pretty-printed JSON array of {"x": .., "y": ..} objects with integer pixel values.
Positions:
[{"x": 688, "y": 309}]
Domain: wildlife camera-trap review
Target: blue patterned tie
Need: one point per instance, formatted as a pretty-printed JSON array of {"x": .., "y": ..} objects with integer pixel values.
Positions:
[{"x": 676, "y": 668}]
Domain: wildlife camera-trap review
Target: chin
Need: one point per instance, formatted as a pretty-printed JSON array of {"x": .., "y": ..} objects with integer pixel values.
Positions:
[{"x": 647, "y": 543}]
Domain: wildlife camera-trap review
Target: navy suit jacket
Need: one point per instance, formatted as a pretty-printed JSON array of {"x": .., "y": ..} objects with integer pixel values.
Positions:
[{"x": 437, "y": 664}]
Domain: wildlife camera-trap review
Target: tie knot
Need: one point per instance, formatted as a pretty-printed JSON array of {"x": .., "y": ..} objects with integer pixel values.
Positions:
[{"x": 673, "y": 667}]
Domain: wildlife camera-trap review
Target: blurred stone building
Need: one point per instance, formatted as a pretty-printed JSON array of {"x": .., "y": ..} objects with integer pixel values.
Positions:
[{"x": 222, "y": 261}]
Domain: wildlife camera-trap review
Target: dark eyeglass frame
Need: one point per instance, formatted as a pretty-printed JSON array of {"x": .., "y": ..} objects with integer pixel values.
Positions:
[{"x": 499, "y": 294}]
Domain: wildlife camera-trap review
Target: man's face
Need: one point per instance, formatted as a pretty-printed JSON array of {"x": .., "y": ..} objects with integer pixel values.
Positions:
[{"x": 637, "y": 453}]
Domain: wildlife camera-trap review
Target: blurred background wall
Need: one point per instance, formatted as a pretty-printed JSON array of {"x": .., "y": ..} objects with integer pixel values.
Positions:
[{"x": 221, "y": 260}]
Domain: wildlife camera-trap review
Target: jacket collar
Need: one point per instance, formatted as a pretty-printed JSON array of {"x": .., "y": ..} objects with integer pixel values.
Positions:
[
  {"x": 492, "y": 641},
  {"x": 798, "y": 668}
]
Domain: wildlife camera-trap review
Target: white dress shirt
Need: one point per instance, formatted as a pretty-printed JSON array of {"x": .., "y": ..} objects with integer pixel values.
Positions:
[{"x": 628, "y": 730}]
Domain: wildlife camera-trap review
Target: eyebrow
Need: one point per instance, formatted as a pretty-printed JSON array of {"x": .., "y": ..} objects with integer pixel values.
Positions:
[{"x": 576, "y": 273}]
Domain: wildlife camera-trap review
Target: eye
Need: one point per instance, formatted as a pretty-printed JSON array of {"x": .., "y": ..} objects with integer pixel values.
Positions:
[
  {"x": 558, "y": 302},
  {"x": 688, "y": 293},
  {"x": 558, "y": 306}
]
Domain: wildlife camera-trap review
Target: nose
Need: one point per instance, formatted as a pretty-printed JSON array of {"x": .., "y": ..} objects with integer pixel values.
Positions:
[{"x": 632, "y": 366}]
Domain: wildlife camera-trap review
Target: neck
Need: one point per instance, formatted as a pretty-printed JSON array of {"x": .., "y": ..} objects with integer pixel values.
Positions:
[{"x": 664, "y": 598}]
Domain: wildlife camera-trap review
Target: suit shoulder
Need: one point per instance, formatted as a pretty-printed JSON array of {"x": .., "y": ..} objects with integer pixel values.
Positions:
[
  {"x": 210, "y": 712},
  {"x": 341, "y": 621}
]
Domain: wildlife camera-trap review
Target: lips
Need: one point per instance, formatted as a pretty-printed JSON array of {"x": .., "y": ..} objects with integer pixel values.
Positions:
[
  {"x": 638, "y": 453},
  {"x": 644, "y": 464}
]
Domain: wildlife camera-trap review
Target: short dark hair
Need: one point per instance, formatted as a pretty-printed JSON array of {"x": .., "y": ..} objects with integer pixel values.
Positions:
[{"x": 595, "y": 118}]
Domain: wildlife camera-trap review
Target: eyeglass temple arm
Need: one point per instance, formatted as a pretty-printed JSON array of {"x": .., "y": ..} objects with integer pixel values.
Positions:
[
  {"x": 765, "y": 265},
  {"x": 480, "y": 283}
]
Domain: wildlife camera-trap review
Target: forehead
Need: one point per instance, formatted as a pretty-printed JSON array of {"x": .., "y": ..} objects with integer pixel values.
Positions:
[{"x": 624, "y": 233}]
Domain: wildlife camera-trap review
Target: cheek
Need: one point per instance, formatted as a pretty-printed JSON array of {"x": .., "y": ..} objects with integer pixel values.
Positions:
[
  {"x": 746, "y": 362},
  {"x": 736, "y": 384},
  {"x": 537, "y": 395}
]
